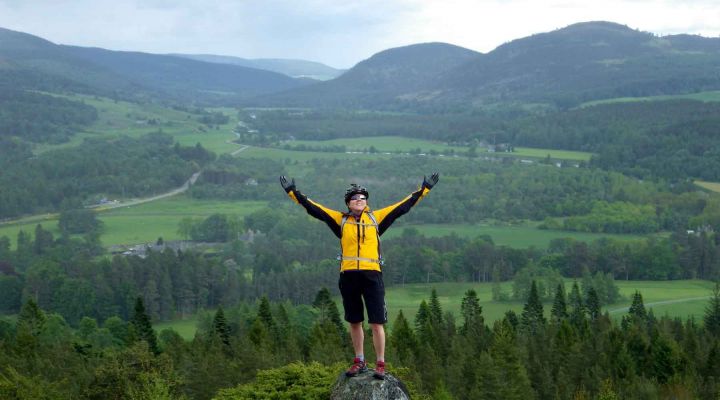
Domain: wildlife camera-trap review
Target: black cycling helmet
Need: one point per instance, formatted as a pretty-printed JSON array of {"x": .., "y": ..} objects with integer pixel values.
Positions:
[{"x": 355, "y": 189}]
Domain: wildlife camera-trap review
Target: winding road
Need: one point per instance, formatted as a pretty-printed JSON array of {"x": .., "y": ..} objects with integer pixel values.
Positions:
[{"x": 128, "y": 203}]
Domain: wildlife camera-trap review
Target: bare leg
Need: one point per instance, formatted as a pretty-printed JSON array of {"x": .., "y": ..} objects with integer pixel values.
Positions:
[
  {"x": 358, "y": 336},
  {"x": 378, "y": 331}
]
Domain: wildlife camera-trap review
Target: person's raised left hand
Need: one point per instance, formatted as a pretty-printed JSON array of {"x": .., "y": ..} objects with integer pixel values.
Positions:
[{"x": 431, "y": 181}]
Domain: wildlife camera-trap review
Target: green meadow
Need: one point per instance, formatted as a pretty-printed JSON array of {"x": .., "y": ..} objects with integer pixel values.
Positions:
[
  {"x": 144, "y": 222},
  {"x": 521, "y": 236},
  {"x": 120, "y": 118},
  {"x": 684, "y": 299},
  {"x": 390, "y": 144},
  {"x": 383, "y": 144},
  {"x": 554, "y": 154},
  {"x": 711, "y": 186},
  {"x": 147, "y": 222},
  {"x": 713, "y": 95}
]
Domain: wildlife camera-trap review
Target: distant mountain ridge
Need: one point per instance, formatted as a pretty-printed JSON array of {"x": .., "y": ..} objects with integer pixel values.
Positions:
[
  {"x": 563, "y": 68},
  {"x": 381, "y": 78},
  {"x": 587, "y": 61},
  {"x": 30, "y": 62},
  {"x": 581, "y": 62},
  {"x": 290, "y": 67}
]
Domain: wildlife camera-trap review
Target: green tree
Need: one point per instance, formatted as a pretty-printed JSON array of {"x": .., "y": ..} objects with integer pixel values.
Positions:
[
  {"x": 559, "y": 307},
  {"x": 577, "y": 306},
  {"x": 512, "y": 379},
  {"x": 593, "y": 304},
  {"x": 328, "y": 309},
  {"x": 532, "y": 318},
  {"x": 30, "y": 325},
  {"x": 220, "y": 326},
  {"x": 78, "y": 221},
  {"x": 712, "y": 312},
  {"x": 143, "y": 327},
  {"x": 402, "y": 339},
  {"x": 637, "y": 308}
]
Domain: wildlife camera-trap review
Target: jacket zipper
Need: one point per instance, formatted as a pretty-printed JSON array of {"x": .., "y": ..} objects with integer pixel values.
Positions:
[{"x": 358, "y": 242}]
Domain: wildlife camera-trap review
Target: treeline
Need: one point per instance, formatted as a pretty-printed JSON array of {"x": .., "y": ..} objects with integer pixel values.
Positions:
[
  {"x": 578, "y": 199},
  {"x": 274, "y": 126},
  {"x": 64, "y": 276},
  {"x": 673, "y": 139},
  {"x": 290, "y": 257},
  {"x": 38, "y": 117},
  {"x": 120, "y": 168},
  {"x": 573, "y": 351}
]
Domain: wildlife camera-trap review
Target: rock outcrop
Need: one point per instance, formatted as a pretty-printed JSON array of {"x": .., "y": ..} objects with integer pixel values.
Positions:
[{"x": 366, "y": 387}]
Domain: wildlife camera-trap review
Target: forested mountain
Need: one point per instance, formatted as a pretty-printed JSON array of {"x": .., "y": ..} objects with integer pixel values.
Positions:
[
  {"x": 29, "y": 62},
  {"x": 585, "y": 61},
  {"x": 289, "y": 67},
  {"x": 382, "y": 78},
  {"x": 179, "y": 76}
]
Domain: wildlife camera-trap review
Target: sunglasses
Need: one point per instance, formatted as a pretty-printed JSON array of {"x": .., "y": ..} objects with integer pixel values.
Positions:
[{"x": 358, "y": 197}]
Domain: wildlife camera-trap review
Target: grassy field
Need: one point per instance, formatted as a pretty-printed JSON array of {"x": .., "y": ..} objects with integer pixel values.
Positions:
[
  {"x": 712, "y": 186},
  {"x": 116, "y": 118},
  {"x": 145, "y": 222},
  {"x": 713, "y": 95},
  {"x": 672, "y": 295},
  {"x": 383, "y": 144},
  {"x": 684, "y": 299},
  {"x": 403, "y": 144},
  {"x": 513, "y": 236},
  {"x": 185, "y": 327},
  {"x": 291, "y": 155},
  {"x": 554, "y": 154}
]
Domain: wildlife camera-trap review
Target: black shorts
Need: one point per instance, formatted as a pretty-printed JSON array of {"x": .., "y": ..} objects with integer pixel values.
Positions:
[{"x": 368, "y": 285}]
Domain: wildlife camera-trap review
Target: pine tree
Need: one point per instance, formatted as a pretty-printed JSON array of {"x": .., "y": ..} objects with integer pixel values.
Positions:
[
  {"x": 422, "y": 317},
  {"x": 577, "y": 308},
  {"x": 559, "y": 307},
  {"x": 328, "y": 309},
  {"x": 593, "y": 304},
  {"x": 30, "y": 324},
  {"x": 712, "y": 312},
  {"x": 473, "y": 328},
  {"x": 532, "y": 318},
  {"x": 402, "y": 339},
  {"x": 637, "y": 308},
  {"x": 220, "y": 326},
  {"x": 143, "y": 328},
  {"x": 435, "y": 309},
  {"x": 513, "y": 382},
  {"x": 265, "y": 314}
]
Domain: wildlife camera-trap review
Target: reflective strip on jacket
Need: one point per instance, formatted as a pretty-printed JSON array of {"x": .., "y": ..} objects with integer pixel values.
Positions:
[{"x": 360, "y": 247}]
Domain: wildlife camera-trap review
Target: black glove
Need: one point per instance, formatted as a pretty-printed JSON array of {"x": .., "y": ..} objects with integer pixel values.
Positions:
[
  {"x": 430, "y": 182},
  {"x": 288, "y": 186}
]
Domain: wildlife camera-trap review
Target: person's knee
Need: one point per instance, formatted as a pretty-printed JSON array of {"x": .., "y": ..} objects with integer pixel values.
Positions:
[{"x": 377, "y": 327}]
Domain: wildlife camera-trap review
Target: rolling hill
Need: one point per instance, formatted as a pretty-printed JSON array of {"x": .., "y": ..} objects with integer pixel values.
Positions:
[
  {"x": 584, "y": 61},
  {"x": 30, "y": 62},
  {"x": 381, "y": 79}
]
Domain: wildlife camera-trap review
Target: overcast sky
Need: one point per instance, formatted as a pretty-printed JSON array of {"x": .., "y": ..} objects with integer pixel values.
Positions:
[{"x": 339, "y": 33}]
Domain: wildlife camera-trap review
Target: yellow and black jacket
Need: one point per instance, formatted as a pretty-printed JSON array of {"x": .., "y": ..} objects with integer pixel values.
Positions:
[{"x": 359, "y": 239}]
